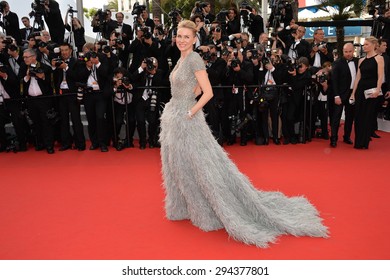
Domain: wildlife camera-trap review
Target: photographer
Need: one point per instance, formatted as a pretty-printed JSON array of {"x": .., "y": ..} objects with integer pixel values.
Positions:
[
  {"x": 143, "y": 46},
  {"x": 26, "y": 30},
  {"x": 238, "y": 73},
  {"x": 46, "y": 52},
  {"x": 54, "y": 21},
  {"x": 233, "y": 24},
  {"x": 215, "y": 110},
  {"x": 64, "y": 80},
  {"x": 300, "y": 80},
  {"x": 10, "y": 104},
  {"x": 94, "y": 74},
  {"x": 148, "y": 101},
  {"x": 320, "y": 50},
  {"x": 123, "y": 97},
  {"x": 103, "y": 24},
  {"x": 36, "y": 85},
  {"x": 216, "y": 37},
  {"x": 10, "y": 22},
  {"x": 256, "y": 24},
  {"x": 126, "y": 35},
  {"x": 202, "y": 32},
  {"x": 77, "y": 29},
  {"x": 15, "y": 59},
  {"x": 296, "y": 46},
  {"x": 385, "y": 20},
  {"x": 271, "y": 74}
]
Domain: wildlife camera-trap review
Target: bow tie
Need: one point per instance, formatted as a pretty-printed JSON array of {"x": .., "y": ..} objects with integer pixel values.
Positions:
[
  {"x": 350, "y": 60},
  {"x": 119, "y": 24}
]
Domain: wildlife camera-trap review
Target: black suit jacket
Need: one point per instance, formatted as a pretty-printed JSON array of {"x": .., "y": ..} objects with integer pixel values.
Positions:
[
  {"x": 386, "y": 28},
  {"x": 11, "y": 24},
  {"x": 126, "y": 29},
  {"x": 323, "y": 57},
  {"x": 83, "y": 73},
  {"x": 44, "y": 85},
  {"x": 55, "y": 23},
  {"x": 70, "y": 76},
  {"x": 341, "y": 78},
  {"x": 23, "y": 32},
  {"x": 140, "y": 81},
  {"x": 11, "y": 85}
]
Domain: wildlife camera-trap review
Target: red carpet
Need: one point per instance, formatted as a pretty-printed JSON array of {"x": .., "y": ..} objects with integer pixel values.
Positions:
[{"x": 93, "y": 205}]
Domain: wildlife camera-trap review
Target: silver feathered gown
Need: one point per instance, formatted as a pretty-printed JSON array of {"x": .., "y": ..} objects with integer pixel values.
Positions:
[{"x": 202, "y": 184}]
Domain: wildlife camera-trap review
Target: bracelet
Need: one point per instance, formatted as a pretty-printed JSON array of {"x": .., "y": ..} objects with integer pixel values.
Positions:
[{"x": 189, "y": 114}]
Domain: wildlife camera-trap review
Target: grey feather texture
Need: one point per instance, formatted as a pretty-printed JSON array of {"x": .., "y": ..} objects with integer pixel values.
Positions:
[{"x": 202, "y": 184}]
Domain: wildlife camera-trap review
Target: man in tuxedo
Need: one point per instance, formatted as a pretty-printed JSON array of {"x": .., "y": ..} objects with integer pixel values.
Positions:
[
  {"x": 94, "y": 74},
  {"x": 126, "y": 34},
  {"x": 36, "y": 85},
  {"x": 10, "y": 22},
  {"x": 10, "y": 106},
  {"x": 343, "y": 77},
  {"x": 296, "y": 46},
  {"x": 385, "y": 20},
  {"x": 64, "y": 69},
  {"x": 320, "y": 50},
  {"x": 27, "y": 30}
]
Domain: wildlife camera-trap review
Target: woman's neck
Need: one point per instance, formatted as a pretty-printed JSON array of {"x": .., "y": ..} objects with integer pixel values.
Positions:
[
  {"x": 370, "y": 54},
  {"x": 185, "y": 53}
]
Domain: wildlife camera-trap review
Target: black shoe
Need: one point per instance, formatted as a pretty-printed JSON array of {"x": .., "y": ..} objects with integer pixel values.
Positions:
[
  {"x": 142, "y": 146},
  {"x": 293, "y": 140},
  {"x": 258, "y": 141},
  {"x": 39, "y": 148},
  {"x": 130, "y": 145},
  {"x": 333, "y": 143},
  {"x": 50, "y": 150},
  {"x": 266, "y": 141},
  {"x": 231, "y": 142},
  {"x": 286, "y": 141},
  {"x": 374, "y": 135},
  {"x": 276, "y": 141},
  {"x": 103, "y": 148},
  {"x": 348, "y": 141},
  {"x": 82, "y": 148},
  {"x": 93, "y": 147},
  {"x": 64, "y": 148},
  {"x": 22, "y": 148},
  {"x": 151, "y": 145},
  {"x": 325, "y": 136},
  {"x": 243, "y": 143}
]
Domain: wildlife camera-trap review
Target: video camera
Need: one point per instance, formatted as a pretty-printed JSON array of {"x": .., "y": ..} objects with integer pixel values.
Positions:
[
  {"x": 174, "y": 14},
  {"x": 138, "y": 9},
  {"x": 221, "y": 16},
  {"x": 38, "y": 9},
  {"x": 70, "y": 10}
]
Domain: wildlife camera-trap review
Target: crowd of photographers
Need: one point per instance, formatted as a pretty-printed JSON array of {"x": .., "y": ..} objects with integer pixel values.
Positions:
[{"x": 278, "y": 87}]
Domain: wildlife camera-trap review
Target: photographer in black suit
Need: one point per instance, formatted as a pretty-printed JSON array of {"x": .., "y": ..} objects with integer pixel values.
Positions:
[
  {"x": 10, "y": 22},
  {"x": 147, "y": 100},
  {"x": 54, "y": 21},
  {"x": 320, "y": 50},
  {"x": 94, "y": 74},
  {"x": 343, "y": 77},
  {"x": 64, "y": 80},
  {"x": 125, "y": 35},
  {"x": 10, "y": 105},
  {"x": 36, "y": 85}
]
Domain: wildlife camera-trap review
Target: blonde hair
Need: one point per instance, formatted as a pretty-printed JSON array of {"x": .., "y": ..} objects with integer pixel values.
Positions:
[
  {"x": 373, "y": 40},
  {"x": 189, "y": 25}
]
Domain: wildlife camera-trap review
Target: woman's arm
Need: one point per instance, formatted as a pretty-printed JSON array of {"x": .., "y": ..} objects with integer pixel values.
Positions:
[{"x": 205, "y": 86}]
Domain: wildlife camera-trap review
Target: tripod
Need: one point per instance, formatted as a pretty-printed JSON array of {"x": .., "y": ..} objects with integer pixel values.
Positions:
[{"x": 70, "y": 39}]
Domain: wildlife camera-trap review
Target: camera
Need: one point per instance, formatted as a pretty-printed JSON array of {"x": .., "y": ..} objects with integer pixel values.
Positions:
[
  {"x": 265, "y": 60},
  {"x": 8, "y": 41},
  {"x": 235, "y": 62},
  {"x": 89, "y": 55},
  {"x": 147, "y": 34},
  {"x": 149, "y": 63},
  {"x": 34, "y": 70},
  {"x": 373, "y": 6},
  {"x": 255, "y": 54},
  {"x": 81, "y": 90},
  {"x": 70, "y": 10},
  {"x": 160, "y": 29},
  {"x": 206, "y": 56},
  {"x": 221, "y": 16},
  {"x": 125, "y": 81},
  {"x": 138, "y": 9},
  {"x": 38, "y": 10},
  {"x": 322, "y": 78},
  {"x": 58, "y": 61}
]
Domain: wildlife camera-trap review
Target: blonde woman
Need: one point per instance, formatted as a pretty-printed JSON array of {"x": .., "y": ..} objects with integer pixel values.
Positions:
[
  {"x": 367, "y": 88},
  {"x": 201, "y": 183}
]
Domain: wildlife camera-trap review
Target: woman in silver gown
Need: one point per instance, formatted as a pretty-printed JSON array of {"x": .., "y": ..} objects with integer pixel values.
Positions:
[{"x": 201, "y": 182}]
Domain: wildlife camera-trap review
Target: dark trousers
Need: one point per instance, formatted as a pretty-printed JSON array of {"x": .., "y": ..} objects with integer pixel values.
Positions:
[
  {"x": 120, "y": 114},
  {"x": 212, "y": 117},
  {"x": 143, "y": 113},
  {"x": 42, "y": 128},
  {"x": 320, "y": 111},
  {"x": 69, "y": 105},
  {"x": 336, "y": 112},
  {"x": 95, "y": 105}
]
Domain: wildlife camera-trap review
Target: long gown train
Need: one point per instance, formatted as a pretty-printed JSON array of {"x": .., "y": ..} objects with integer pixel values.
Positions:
[{"x": 202, "y": 184}]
